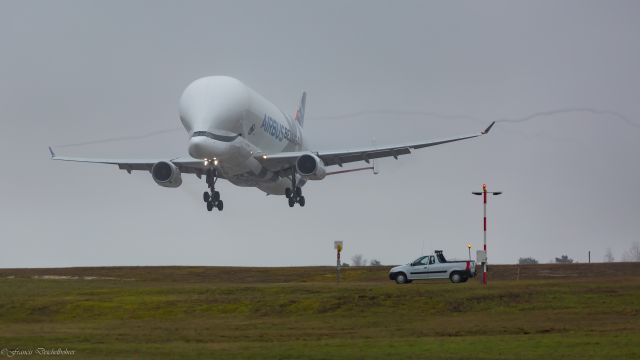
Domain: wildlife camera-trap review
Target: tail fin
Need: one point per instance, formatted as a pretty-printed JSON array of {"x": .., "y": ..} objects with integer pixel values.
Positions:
[{"x": 300, "y": 112}]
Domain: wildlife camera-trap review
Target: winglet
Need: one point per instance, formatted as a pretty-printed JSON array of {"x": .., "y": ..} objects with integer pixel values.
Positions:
[
  {"x": 486, "y": 131},
  {"x": 52, "y": 153}
]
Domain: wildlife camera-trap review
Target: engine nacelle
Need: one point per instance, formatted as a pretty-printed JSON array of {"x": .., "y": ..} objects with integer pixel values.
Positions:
[
  {"x": 311, "y": 167},
  {"x": 166, "y": 174}
]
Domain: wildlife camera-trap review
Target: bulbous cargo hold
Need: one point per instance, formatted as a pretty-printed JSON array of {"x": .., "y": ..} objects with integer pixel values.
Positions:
[
  {"x": 311, "y": 167},
  {"x": 166, "y": 174}
]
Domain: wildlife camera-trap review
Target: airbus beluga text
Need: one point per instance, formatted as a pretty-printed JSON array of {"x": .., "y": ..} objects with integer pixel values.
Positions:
[{"x": 237, "y": 135}]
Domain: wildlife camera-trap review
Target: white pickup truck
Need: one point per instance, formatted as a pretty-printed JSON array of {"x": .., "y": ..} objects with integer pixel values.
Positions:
[{"x": 434, "y": 267}]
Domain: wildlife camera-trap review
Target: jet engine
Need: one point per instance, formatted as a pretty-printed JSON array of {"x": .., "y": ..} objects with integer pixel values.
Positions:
[
  {"x": 166, "y": 174},
  {"x": 311, "y": 167}
]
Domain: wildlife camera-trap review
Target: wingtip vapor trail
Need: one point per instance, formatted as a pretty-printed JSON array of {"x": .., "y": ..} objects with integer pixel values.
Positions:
[{"x": 570, "y": 110}]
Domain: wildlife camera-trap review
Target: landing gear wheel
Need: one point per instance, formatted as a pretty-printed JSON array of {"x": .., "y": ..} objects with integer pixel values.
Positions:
[
  {"x": 212, "y": 197},
  {"x": 294, "y": 193}
]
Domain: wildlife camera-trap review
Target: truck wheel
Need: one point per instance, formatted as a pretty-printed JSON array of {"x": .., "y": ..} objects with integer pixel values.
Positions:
[
  {"x": 401, "y": 278},
  {"x": 455, "y": 277}
]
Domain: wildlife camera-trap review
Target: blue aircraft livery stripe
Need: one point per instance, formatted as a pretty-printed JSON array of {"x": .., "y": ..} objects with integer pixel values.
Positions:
[{"x": 277, "y": 130}]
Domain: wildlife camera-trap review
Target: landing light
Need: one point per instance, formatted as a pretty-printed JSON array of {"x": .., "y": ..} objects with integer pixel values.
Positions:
[
  {"x": 215, "y": 162},
  {"x": 264, "y": 156},
  {"x": 206, "y": 162}
]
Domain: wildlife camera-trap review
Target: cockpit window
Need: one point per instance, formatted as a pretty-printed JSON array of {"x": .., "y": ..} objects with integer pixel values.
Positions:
[{"x": 224, "y": 138}]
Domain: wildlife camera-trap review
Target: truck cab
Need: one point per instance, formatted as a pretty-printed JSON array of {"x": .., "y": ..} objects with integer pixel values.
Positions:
[{"x": 434, "y": 266}]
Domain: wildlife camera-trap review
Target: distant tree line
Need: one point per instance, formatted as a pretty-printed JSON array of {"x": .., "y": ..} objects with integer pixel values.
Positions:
[
  {"x": 359, "y": 260},
  {"x": 527, "y": 261},
  {"x": 564, "y": 259},
  {"x": 608, "y": 256},
  {"x": 631, "y": 254}
]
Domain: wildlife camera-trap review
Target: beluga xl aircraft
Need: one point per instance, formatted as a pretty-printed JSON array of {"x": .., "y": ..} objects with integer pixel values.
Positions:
[{"x": 238, "y": 135}]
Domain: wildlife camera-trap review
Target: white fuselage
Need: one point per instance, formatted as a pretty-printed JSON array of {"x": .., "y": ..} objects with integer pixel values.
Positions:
[{"x": 228, "y": 124}]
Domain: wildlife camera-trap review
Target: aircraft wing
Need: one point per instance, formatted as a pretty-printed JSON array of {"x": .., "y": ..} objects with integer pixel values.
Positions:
[
  {"x": 285, "y": 160},
  {"x": 185, "y": 164}
]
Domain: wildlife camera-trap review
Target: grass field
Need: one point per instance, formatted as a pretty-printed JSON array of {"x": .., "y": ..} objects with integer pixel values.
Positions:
[{"x": 552, "y": 312}]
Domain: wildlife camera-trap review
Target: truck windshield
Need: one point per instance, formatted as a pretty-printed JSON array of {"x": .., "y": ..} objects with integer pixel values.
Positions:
[{"x": 423, "y": 260}]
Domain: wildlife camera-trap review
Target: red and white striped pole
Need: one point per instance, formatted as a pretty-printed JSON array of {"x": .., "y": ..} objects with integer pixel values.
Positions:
[
  {"x": 484, "y": 194},
  {"x": 484, "y": 269}
]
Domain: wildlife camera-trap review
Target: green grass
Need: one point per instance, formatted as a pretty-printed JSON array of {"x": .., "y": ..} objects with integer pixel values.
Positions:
[{"x": 151, "y": 319}]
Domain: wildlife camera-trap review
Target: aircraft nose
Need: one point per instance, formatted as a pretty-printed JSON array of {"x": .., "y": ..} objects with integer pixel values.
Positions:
[
  {"x": 198, "y": 148},
  {"x": 202, "y": 147}
]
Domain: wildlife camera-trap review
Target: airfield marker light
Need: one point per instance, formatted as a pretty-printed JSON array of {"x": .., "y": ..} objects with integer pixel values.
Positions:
[
  {"x": 484, "y": 197},
  {"x": 469, "y": 247},
  {"x": 338, "y": 246}
]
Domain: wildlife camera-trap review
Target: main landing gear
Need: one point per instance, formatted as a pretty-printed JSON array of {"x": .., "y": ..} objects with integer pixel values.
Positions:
[
  {"x": 294, "y": 196},
  {"x": 212, "y": 198}
]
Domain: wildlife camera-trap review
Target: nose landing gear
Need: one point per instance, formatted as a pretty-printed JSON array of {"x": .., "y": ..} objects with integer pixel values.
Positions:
[
  {"x": 294, "y": 196},
  {"x": 212, "y": 198}
]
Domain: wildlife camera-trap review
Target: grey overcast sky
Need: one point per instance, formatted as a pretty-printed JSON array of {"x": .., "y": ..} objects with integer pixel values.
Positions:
[{"x": 74, "y": 71}]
